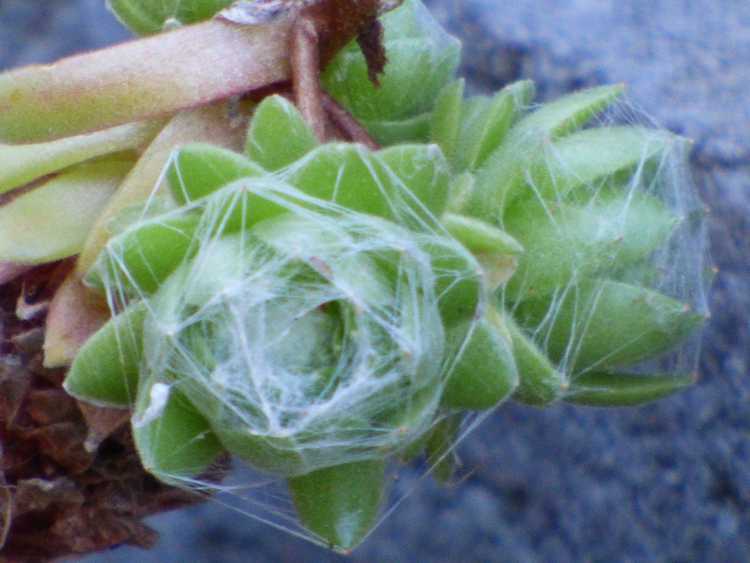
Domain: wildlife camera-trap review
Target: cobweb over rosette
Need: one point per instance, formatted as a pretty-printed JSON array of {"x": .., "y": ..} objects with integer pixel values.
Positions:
[
  {"x": 309, "y": 340},
  {"x": 305, "y": 317},
  {"x": 612, "y": 280},
  {"x": 326, "y": 312}
]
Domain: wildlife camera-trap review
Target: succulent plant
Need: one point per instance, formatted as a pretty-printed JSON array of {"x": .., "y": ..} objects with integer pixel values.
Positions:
[{"x": 327, "y": 287}]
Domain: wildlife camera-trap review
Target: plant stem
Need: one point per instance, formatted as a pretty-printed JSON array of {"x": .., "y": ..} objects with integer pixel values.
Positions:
[
  {"x": 305, "y": 61},
  {"x": 347, "y": 124}
]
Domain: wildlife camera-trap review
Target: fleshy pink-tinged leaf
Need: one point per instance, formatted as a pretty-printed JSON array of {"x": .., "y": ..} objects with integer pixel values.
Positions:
[
  {"x": 485, "y": 372},
  {"x": 340, "y": 504},
  {"x": 447, "y": 117},
  {"x": 564, "y": 242},
  {"x": 601, "y": 389},
  {"x": 74, "y": 315},
  {"x": 540, "y": 383},
  {"x": 20, "y": 164},
  {"x": 141, "y": 79},
  {"x": 278, "y": 134},
  {"x": 140, "y": 258},
  {"x": 602, "y": 324},
  {"x": 502, "y": 177},
  {"x": 423, "y": 171},
  {"x": 174, "y": 442},
  {"x": 212, "y": 124},
  {"x": 53, "y": 220},
  {"x": 106, "y": 369},
  {"x": 145, "y": 17},
  {"x": 199, "y": 169}
]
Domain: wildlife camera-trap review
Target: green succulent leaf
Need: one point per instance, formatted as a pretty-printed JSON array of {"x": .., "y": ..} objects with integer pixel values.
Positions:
[
  {"x": 424, "y": 172},
  {"x": 278, "y": 134},
  {"x": 485, "y": 372},
  {"x": 447, "y": 117},
  {"x": 440, "y": 445},
  {"x": 479, "y": 236},
  {"x": 348, "y": 174},
  {"x": 245, "y": 203},
  {"x": 503, "y": 175},
  {"x": 566, "y": 242},
  {"x": 422, "y": 58},
  {"x": 564, "y": 115},
  {"x": 603, "y": 389},
  {"x": 277, "y": 456},
  {"x": 146, "y": 17},
  {"x": 540, "y": 383},
  {"x": 174, "y": 442},
  {"x": 587, "y": 158},
  {"x": 459, "y": 282},
  {"x": 52, "y": 220},
  {"x": 21, "y": 164},
  {"x": 105, "y": 371},
  {"x": 599, "y": 324},
  {"x": 486, "y": 121},
  {"x": 140, "y": 258},
  {"x": 496, "y": 251},
  {"x": 412, "y": 130},
  {"x": 340, "y": 504},
  {"x": 199, "y": 169}
]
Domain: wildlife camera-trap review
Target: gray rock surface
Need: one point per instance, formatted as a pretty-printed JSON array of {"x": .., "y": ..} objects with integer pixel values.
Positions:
[{"x": 668, "y": 482}]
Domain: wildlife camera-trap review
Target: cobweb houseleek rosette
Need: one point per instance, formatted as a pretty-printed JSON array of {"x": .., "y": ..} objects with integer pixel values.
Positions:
[
  {"x": 299, "y": 333},
  {"x": 582, "y": 230},
  {"x": 610, "y": 283},
  {"x": 576, "y": 244},
  {"x": 299, "y": 344}
]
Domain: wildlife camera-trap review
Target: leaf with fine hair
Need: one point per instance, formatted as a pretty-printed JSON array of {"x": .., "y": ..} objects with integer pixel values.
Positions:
[
  {"x": 600, "y": 324},
  {"x": 278, "y": 134},
  {"x": 199, "y": 169},
  {"x": 501, "y": 176},
  {"x": 540, "y": 383},
  {"x": 485, "y": 371},
  {"x": 174, "y": 441},
  {"x": 340, "y": 504},
  {"x": 603, "y": 389},
  {"x": 106, "y": 369}
]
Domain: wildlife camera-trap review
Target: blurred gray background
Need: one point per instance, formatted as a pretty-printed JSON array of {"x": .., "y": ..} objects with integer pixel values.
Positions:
[{"x": 668, "y": 482}]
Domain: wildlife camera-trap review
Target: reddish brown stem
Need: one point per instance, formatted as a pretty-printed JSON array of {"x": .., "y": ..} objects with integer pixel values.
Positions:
[
  {"x": 346, "y": 122},
  {"x": 305, "y": 63}
]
